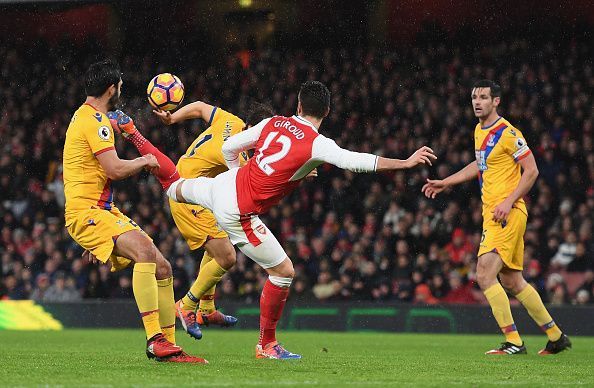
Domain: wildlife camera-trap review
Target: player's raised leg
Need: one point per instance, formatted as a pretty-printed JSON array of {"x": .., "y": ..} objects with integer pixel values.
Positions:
[
  {"x": 514, "y": 282},
  {"x": 166, "y": 173},
  {"x": 489, "y": 265}
]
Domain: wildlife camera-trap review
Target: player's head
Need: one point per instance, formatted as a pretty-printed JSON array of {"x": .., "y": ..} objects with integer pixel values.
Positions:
[
  {"x": 104, "y": 79},
  {"x": 485, "y": 96},
  {"x": 257, "y": 112},
  {"x": 314, "y": 100}
]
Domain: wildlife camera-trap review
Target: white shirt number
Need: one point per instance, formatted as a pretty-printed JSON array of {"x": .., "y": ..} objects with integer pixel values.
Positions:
[{"x": 265, "y": 162}]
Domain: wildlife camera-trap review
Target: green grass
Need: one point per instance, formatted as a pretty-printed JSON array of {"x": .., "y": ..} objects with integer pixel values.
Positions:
[{"x": 104, "y": 358}]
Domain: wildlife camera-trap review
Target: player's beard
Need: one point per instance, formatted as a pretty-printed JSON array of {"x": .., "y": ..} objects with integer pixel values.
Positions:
[{"x": 114, "y": 102}]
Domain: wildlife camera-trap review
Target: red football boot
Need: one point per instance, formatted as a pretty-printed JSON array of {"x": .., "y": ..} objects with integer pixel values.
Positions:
[
  {"x": 216, "y": 318},
  {"x": 183, "y": 357},
  {"x": 159, "y": 347}
]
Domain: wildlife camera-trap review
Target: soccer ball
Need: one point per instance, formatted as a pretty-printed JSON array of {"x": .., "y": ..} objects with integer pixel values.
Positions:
[{"x": 165, "y": 92}]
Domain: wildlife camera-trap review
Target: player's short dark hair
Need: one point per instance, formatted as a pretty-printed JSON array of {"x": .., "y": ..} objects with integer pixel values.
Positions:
[
  {"x": 315, "y": 99},
  {"x": 257, "y": 112},
  {"x": 100, "y": 76},
  {"x": 485, "y": 83}
]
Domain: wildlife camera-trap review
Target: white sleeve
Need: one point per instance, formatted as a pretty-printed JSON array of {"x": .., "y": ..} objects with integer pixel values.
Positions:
[
  {"x": 326, "y": 150},
  {"x": 244, "y": 140}
]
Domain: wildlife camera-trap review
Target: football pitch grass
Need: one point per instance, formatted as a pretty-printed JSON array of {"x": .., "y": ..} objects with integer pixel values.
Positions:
[{"x": 115, "y": 358}]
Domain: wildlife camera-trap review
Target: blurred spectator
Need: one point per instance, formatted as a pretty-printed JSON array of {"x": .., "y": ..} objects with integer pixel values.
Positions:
[
  {"x": 566, "y": 252},
  {"x": 582, "y": 297},
  {"x": 326, "y": 287},
  {"x": 62, "y": 290},
  {"x": 42, "y": 285},
  {"x": 459, "y": 246},
  {"x": 124, "y": 288},
  {"x": 423, "y": 295},
  {"x": 460, "y": 292},
  {"x": 588, "y": 284}
]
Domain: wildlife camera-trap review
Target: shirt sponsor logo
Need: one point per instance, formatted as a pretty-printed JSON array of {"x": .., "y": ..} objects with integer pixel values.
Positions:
[
  {"x": 227, "y": 130},
  {"x": 481, "y": 159}
]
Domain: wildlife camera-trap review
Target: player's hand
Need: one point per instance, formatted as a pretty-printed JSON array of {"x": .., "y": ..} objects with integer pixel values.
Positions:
[
  {"x": 423, "y": 155},
  {"x": 91, "y": 258},
  {"x": 165, "y": 116},
  {"x": 433, "y": 187},
  {"x": 151, "y": 162},
  {"x": 501, "y": 211},
  {"x": 122, "y": 123},
  {"x": 312, "y": 174}
]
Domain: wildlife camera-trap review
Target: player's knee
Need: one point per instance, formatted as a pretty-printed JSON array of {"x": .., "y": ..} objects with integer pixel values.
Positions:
[
  {"x": 507, "y": 284},
  {"x": 144, "y": 252},
  {"x": 164, "y": 270},
  {"x": 287, "y": 270},
  {"x": 227, "y": 259},
  {"x": 513, "y": 285},
  {"x": 485, "y": 279}
]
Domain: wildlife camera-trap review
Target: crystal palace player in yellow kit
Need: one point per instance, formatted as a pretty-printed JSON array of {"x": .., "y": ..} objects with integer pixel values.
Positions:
[
  {"x": 197, "y": 225},
  {"x": 93, "y": 221},
  {"x": 501, "y": 154}
]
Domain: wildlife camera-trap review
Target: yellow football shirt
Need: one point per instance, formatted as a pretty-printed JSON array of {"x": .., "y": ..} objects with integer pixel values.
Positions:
[
  {"x": 85, "y": 182},
  {"x": 204, "y": 157},
  {"x": 498, "y": 148}
]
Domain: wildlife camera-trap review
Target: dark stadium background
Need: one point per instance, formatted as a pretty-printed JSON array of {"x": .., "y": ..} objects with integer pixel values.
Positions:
[{"x": 400, "y": 73}]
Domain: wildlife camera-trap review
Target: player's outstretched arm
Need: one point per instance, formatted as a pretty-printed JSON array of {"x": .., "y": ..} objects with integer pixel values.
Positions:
[
  {"x": 117, "y": 169},
  {"x": 326, "y": 150},
  {"x": 436, "y": 186},
  {"x": 423, "y": 155},
  {"x": 195, "y": 110}
]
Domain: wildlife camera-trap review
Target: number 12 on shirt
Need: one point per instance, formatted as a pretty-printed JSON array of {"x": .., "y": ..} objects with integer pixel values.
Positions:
[{"x": 264, "y": 161}]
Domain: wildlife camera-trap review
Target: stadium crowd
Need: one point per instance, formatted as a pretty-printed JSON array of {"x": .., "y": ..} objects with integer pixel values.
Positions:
[{"x": 351, "y": 237}]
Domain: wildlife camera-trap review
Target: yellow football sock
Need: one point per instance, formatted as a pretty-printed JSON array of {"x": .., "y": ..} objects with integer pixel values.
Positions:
[
  {"x": 502, "y": 311},
  {"x": 144, "y": 286},
  {"x": 533, "y": 304},
  {"x": 207, "y": 303},
  {"x": 167, "y": 308},
  {"x": 210, "y": 274}
]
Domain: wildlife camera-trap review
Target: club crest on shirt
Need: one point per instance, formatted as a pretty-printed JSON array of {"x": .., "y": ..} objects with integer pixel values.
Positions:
[
  {"x": 491, "y": 141},
  {"x": 261, "y": 229},
  {"x": 104, "y": 132}
]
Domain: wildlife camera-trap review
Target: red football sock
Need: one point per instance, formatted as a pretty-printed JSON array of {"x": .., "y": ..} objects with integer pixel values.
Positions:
[
  {"x": 272, "y": 303},
  {"x": 167, "y": 173}
]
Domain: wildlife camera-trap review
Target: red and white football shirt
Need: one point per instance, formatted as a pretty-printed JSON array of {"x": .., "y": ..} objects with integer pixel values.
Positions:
[{"x": 286, "y": 150}]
